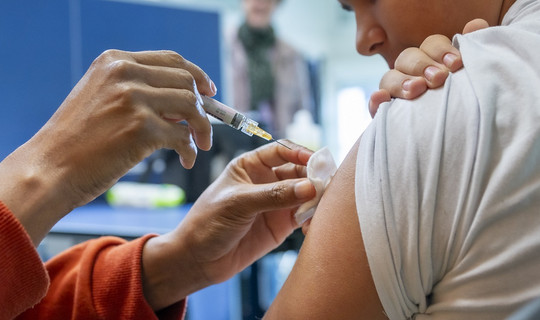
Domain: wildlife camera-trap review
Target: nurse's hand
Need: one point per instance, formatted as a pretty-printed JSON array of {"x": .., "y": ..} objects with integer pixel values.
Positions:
[
  {"x": 244, "y": 214},
  {"x": 125, "y": 107},
  {"x": 419, "y": 69}
]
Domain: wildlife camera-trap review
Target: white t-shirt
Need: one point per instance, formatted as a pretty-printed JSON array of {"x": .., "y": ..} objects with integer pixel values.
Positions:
[{"x": 448, "y": 186}]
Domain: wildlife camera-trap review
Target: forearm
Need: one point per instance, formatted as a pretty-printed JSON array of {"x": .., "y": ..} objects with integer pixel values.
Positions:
[{"x": 33, "y": 192}]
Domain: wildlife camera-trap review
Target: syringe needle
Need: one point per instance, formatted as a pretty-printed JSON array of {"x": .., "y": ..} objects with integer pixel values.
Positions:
[{"x": 281, "y": 144}]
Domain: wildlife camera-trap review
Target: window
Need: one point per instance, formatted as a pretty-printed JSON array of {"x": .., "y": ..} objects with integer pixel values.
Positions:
[{"x": 352, "y": 118}]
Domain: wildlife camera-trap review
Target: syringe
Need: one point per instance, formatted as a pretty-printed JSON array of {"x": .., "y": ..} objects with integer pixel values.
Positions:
[{"x": 235, "y": 119}]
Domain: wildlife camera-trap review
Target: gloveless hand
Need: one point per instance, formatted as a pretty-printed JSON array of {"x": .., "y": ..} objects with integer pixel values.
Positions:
[
  {"x": 125, "y": 107},
  {"x": 419, "y": 69},
  {"x": 244, "y": 214}
]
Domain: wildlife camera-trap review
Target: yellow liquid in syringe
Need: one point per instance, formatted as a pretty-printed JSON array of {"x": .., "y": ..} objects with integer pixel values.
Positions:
[
  {"x": 263, "y": 134},
  {"x": 259, "y": 132}
]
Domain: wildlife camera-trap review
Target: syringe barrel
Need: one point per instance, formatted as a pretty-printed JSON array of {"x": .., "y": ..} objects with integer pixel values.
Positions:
[
  {"x": 223, "y": 113},
  {"x": 228, "y": 115},
  {"x": 238, "y": 120}
]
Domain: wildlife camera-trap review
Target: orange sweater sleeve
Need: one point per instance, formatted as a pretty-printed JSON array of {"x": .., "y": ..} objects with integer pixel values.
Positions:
[
  {"x": 98, "y": 279},
  {"x": 23, "y": 279}
]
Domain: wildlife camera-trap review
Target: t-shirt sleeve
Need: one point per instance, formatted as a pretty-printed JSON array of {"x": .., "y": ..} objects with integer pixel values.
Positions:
[
  {"x": 447, "y": 187},
  {"x": 412, "y": 176}
]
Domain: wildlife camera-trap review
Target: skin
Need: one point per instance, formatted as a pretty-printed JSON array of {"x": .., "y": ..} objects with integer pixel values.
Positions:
[
  {"x": 332, "y": 279},
  {"x": 259, "y": 12}
]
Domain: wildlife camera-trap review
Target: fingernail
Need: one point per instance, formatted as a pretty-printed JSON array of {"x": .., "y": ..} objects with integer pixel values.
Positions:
[
  {"x": 214, "y": 88},
  {"x": 407, "y": 85},
  {"x": 303, "y": 189},
  {"x": 449, "y": 59},
  {"x": 431, "y": 72}
]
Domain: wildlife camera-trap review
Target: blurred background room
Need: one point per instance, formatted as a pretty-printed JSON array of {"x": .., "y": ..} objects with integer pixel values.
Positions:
[{"x": 296, "y": 73}]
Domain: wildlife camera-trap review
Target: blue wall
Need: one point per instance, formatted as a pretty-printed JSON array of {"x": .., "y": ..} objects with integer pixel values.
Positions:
[{"x": 47, "y": 45}]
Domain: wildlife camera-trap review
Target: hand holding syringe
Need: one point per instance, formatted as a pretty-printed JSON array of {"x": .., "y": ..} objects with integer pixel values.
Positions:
[{"x": 235, "y": 119}]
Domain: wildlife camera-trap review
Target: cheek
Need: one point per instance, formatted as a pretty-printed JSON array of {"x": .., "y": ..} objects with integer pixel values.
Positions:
[
  {"x": 408, "y": 26},
  {"x": 411, "y": 21},
  {"x": 400, "y": 34}
]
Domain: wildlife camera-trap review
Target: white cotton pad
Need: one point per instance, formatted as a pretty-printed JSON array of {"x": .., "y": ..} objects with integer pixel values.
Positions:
[{"x": 321, "y": 168}]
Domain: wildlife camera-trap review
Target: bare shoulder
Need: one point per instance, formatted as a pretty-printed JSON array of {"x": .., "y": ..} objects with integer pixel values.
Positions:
[{"x": 331, "y": 278}]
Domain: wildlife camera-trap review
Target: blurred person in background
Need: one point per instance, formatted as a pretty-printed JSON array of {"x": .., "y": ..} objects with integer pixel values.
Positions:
[{"x": 270, "y": 78}]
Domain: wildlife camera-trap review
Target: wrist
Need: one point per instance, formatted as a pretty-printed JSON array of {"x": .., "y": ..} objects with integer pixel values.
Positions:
[
  {"x": 169, "y": 274},
  {"x": 32, "y": 192}
]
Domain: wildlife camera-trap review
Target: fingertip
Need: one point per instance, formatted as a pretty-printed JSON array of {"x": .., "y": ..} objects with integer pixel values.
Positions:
[
  {"x": 305, "y": 226},
  {"x": 381, "y": 95},
  {"x": 437, "y": 79},
  {"x": 371, "y": 108},
  {"x": 209, "y": 89},
  {"x": 203, "y": 136},
  {"x": 205, "y": 145},
  {"x": 186, "y": 163},
  {"x": 187, "y": 154},
  {"x": 435, "y": 76},
  {"x": 407, "y": 85},
  {"x": 304, "y": 190},
  {"x": 304, "y": 154},
  {"x": 204, "y": 141},
  {"x": 452, "y": 61},
  {"x": 475, "y": 25},
  {"x": 375, "y": 100},
  {"x": 413, "y": 88},
  {"x": 213, "y": 87},
  {"x": 204, "y": 83}
]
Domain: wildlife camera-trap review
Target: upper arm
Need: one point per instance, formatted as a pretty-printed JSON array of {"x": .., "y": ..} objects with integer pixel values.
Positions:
[{"x": 331, "y": 278}]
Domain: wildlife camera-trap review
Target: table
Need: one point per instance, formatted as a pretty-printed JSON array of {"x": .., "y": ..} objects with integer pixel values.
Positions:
[{"x": 125, "y": 222}]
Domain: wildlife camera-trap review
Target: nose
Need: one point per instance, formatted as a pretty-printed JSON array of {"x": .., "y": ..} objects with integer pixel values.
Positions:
[{"x": 370, "y": 36}]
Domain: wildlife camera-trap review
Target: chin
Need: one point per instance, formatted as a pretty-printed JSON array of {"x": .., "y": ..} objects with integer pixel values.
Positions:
[
  {"x": 390, "y": 62},
  {"x": 389, "y": 58}
]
